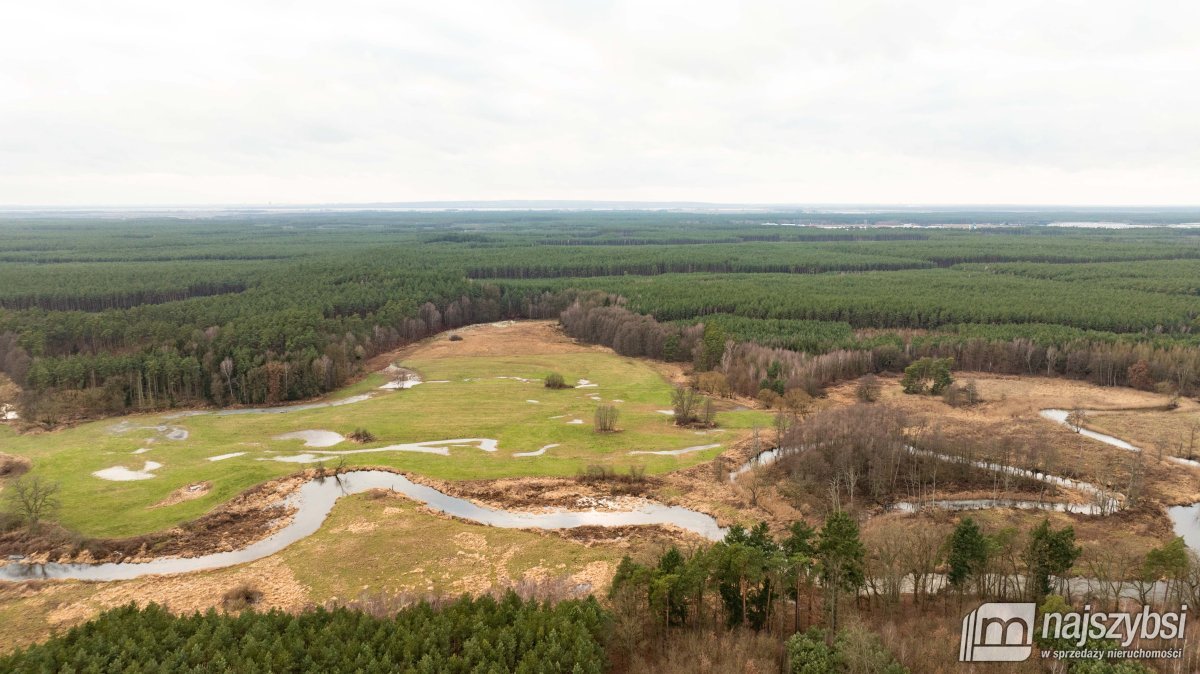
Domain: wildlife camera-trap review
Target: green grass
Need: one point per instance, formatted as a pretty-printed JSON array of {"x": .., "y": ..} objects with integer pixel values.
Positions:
[{"x": 485, "y": 407}]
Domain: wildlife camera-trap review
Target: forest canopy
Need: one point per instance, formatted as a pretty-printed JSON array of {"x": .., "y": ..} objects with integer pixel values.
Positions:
[{"x": 105, "y": 316}]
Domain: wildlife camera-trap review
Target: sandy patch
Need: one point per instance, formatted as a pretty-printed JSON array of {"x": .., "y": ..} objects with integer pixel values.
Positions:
[
  {"x": 499, "y": 339},
  {"x": 184, "y": 493},
  {"x": 361, "y": 527}
]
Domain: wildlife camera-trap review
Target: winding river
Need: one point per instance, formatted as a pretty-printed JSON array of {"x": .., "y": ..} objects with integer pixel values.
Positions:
[
  {"x": 1185, "y": 518},
  {"x": 315, "y": 499}
]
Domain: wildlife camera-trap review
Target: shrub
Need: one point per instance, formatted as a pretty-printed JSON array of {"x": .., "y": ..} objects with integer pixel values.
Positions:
[
  {"x": 606, "y": 419},
  {"x": 555, "y": 380},
  {"x": 855, "y": 649},
  {"x": 456, "y": 338},
  {"x": 713, "y": 383},
  {"x": 595, "y": 473},
  {"x": 962, "y": 395},
  {"x": 927, "y": 375},
  {"x": 361, "y": 435},
  {"x": 13, "y": 466},
  {"x": 770, "y": 399},
  {"x": 868, "y": 389},
  {"x": 692, "y": 409},
  {"x": 241, "y": 597},
  {"x": 1139, "y": 376},
  {"x": 797, "y": 400}
]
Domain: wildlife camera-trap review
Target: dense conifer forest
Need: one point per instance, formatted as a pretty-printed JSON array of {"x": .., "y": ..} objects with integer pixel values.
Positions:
[
  {"x": 468, "y": 635},
  {"x": 101, "y": 316}
]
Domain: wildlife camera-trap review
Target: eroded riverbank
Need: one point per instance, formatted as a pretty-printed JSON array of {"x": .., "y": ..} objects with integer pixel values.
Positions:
[{"x": 315, "y": 498}]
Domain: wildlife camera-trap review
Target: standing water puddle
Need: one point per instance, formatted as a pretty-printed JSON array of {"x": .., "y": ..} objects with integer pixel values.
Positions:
[{"x": 315, "y": 499}]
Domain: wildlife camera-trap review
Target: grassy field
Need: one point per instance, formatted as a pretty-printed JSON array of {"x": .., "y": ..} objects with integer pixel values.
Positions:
[{"x": 478, "y": 400}]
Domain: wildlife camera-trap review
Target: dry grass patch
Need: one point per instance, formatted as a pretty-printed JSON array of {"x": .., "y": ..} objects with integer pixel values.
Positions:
[
  {"x": 1008, "y": 426},
  {"x": 499, "y": 339}
]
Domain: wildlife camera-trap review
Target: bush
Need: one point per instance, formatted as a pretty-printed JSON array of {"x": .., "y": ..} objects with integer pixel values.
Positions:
[
  {"x": 797, "y": 400},
  {"x": 927, "y": 375},
  {"x": 692, "y": 409},
  {"x": 770, "y": 399},
  {"x": 240, "y": 598},
  {"x": 13, "y": 466},
  {"x": 596, "y": 473},
  {"x": 962, "y": 395},
  {"x": 606, "y": 419},
  {"x": 456, "y": 338},
  {"x": 868, "y": 389},
  {"x": 855, "y": 649},
  {"x": 713, "y": 383},
  {"x": 361, "y": 435},
  {"x": 555, "y": 380}
]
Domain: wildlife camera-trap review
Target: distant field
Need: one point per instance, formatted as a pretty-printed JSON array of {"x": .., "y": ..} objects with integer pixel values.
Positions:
[{"x": 490, "y": 405}]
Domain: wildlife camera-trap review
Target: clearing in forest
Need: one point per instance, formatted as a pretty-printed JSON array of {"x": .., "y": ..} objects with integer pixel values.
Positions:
[{"x": 472, "y": 418}]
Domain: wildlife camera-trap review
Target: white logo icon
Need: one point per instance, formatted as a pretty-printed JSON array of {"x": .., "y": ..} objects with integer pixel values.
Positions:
[{"x": 998, "y": 632}]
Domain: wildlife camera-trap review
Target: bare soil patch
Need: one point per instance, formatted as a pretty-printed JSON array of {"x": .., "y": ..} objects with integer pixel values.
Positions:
[
  {"x": 184, "y": 493},
  {"x": 498, "y": 339}
]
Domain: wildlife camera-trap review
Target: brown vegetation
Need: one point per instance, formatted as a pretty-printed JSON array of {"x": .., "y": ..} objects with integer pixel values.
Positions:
[
  {"x": 606, "y": 419},
  {"x": 13, "y": 466},
  {"x": 361, "y": 436},
  {"x": 240, "y": 598}
]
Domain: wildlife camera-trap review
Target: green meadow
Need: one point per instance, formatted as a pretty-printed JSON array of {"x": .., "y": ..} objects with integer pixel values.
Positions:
[{"x": 480, "y": 399}]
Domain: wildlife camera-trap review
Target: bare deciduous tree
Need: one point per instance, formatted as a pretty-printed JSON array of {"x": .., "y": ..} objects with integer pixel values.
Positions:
[
  {"x": 32, "y": 499},
  {"x": 1076, "y": 418}
]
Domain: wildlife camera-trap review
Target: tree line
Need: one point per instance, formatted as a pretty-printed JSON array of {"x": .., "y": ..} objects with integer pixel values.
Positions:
[{"x": 466, "y": 635}]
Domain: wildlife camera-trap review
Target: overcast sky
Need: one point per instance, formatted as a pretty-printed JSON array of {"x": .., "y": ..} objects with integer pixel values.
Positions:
[{"x": 912, "y": 101}]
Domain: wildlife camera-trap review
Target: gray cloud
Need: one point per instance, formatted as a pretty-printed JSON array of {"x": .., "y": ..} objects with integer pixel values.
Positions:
[{"x": 859, "y": 101}]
